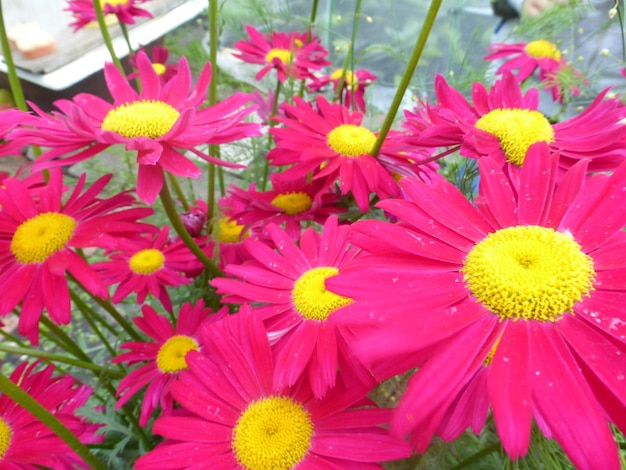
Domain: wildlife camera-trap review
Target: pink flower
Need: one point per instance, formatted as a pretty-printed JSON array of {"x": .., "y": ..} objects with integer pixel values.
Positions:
[
  {"x": 163, "y": 358},
  {"x": 125, "y": 10},
  {"x": 158, "y": 123},
  {"x": 160, "y": 55},
  {"x": 234, "y": 416},
  {"x": 353, "y": 85}
]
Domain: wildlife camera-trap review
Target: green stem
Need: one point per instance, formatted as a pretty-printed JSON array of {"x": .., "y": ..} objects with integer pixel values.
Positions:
[
  {"x": 63, "y": 340},
  {"x": 349, "y": 62},
  {"x": 270, "y": 123},
  {"x": 180, "y": 194},
  {"x": 312, "y": 20},
  {"x": 478, "y": 456},
  {"x": 172, "y": 214},
  {"x": 126, "y": 38},
  {"x": 49, "y": 357},
  {"x": 106, "y": 36},
  {"x": 214, "y": 35},
  {"x": 429, "y": 21},
  {"x": 14, "y": 81},
  {"x": 31, "y": 405}
]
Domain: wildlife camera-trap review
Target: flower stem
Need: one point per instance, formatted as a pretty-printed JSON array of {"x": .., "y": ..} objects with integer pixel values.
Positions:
[
  {"x": 104, "y": 31},
  {"x": 429, "y": 21},
  {"x": 349, "y": 62},
  {"x": 309, "y": 36},
  {"x": 213, "y": 149},
  {"x": 14, "y": 81},
  {"x": 31, "y": 405},
  {"x": 170, "y": 210},
  {"x": 270, "y": 123}
]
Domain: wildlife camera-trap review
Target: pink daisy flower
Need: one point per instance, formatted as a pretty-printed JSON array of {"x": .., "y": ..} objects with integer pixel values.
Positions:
[
  {"x": 147, "y": 266},
  {"x": 291, "y": 202},
  {"x": 331, "y": 143},
  {"x": 25, "y": 442},
  {"x": 158, "y": 123},
  {"x": 293, "y": 55},
  {"x": 39, "y": 235},
  {"x": 125, "y": 10},
  {"x": 298, "y": 310},
  {"x": 528, "y": 284},
  {"x": 504, "y": 123},
  {"x": 352, "y": 92},
  {"x": 163, "y": 358},
  {"x": 160, "y": 56},
  {"x": 235, "y": 417}
]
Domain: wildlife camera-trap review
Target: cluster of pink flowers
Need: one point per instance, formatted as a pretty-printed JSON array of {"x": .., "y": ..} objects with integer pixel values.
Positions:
[{"x": 298, "y": 304}]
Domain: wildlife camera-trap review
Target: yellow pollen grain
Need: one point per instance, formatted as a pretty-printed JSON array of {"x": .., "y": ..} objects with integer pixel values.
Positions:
[
  {"x": 349, "y": 140},
  {"x": 272, "y": 434},
  {"x": 229, "y": 231},
  {"x": 171, "y": 356},
  {"x": 5, "y": 437},
  {"x": 528, "y": 272},
  {"x": 39, "y": 237},
  {"x": 492, "y": 351},
  {"x": 543, "y": 49},
  {"x": 145, "y": 118},
  {"x": 517, "y": 130},
  {"x": 284, "y": 55},
  {"x": 293, "y": 203},
  {"x": 310, "y": 297},
  {"x": 147, "y": 261}
]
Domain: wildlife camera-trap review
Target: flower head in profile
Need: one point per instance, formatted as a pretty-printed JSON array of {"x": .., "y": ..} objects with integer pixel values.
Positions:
[
  {"x": 353, "y": 85},
  {"x": 330, "y": 142},
  {"x": 529, "y": 284},
  {"x": 297, "y": 308},
  {"x": 233, "y": 416},
  {"x": 292, "y": 55},
  {"x": 160, "y": 55},
  {"x": 148, "y": 265},
  {"x": 163, "y": 358},
  {"x": 40, "y": 232},
  {"x": 27, "y": 443},
  {"x": 159, "y": 123},
  {"x": 504, "y": 122},
  {"x": 125, "y": 11}
]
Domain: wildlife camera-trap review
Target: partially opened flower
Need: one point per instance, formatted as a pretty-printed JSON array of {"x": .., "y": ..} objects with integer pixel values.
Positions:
[
  {"x": 160, "y": 55},
  {"x": 163, "y": 358},
  {"x": 353, "y": 85},
  {"x": 331, "y": 143},
  {"x": 293, "y": 55},
  {"x": 297, "y": 308},
  {"x": 27, "y": 443},
  {"x": 148, "y": 265},
  {"x": 516, "y": 301},
  {"x": 159, "y": 123},
  {"x": 125, "y": 11},
  {"x": 503, "y": 123},
  {"x": 40, "y": 232},
  {"x": 235, "y": 417}
]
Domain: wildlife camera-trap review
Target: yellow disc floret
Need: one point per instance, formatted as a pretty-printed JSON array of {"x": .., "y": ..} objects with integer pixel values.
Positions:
[
  {"x": 517, "y": 130},
  {"x": 348, "y": 79},
  {"x": 229, "y": 231},
  {"x": 528, "y": 272},
  {"x": 159, "y": 68},
  {"x": 311, "y": 298},
  {"x": 39, "y": 237},
  {"x": 293, "y": 203},
  {"x": 349, "y": 140},
  {"x": 5, "y": 437},
  {"x": 145, "y": 118},
  {"x": 272, "y": 434},
  {"x": 113, "y": 3},
  {"x": 543, "y": 49},
  {"x": 171, "y": 356},
  {"x": 147, "y": 261},
  {"x": 284, "y": 55}
]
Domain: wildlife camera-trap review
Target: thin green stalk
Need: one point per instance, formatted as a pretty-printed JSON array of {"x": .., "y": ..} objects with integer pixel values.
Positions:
[
  {"x": 126, "y": 38},
  {"x": 49, "y": 357},
  {"x": 349, "y": 62},
  {"x": 67, "y": 343},
  {"x": 180, "y": 194},
  {"x": 106, "y": 36},
  {"x": 312, "y": 20},
  {"x": 214, "y": 151},
  {"x": 270, "y": 123},
  {"x": 14, "y": 81},
  {"x": 31, "y": 405},
  {"x": 478, "y": 456},
  {"x": 172, "y": 214},
  {"x": 429, "y": 21}
]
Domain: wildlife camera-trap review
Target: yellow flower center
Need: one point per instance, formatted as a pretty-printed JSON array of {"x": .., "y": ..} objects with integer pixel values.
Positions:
[
  {"x": 5, "y": 437},
  {"x": 171, "y": 356},
  {"x": 113, "y": 3},
  {"x": 528, "y": 272},
  {"x": 145, "y": 118},
  {"x": 348, "y": 78},
  {"x": 517, "y": 130},
  {"x": 272, "y": 434},
  {"x": 158, "y": 68},
  {"x": 146, "y": 261},
  {"x": 229, "y": 231},
  {"x": 283, "y": 55},
  {"x": 311, "y": 298},
  {"x": 39, "y": 237},
  {"x": 349, "y": 140},
  {"x": 293, "y": 203},
  {"x": 543, "y": 48}
]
